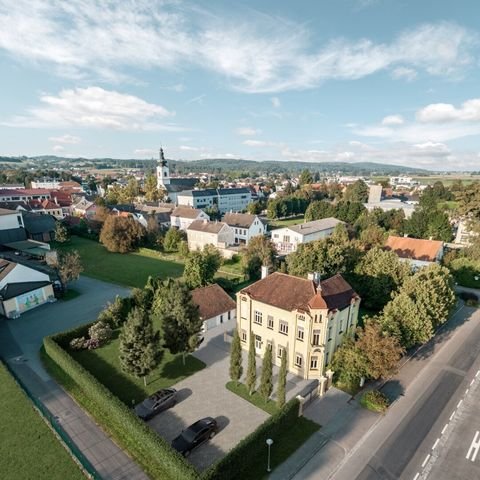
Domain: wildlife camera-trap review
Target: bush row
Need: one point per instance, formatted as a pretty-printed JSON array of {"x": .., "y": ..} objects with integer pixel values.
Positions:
[
  {"x": 151, "y": 451},
  {"x": 235, "y": 464}
]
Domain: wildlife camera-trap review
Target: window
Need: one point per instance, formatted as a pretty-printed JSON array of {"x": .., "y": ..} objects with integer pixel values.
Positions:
[
  {"x": 244, "y": 299},
  {"x": 275, "y": 235},
  {"x": 298, "y": 360},
  {"x": 280, "y": 351},
  {"x": 258, "y": 342},
  {"x": 221, "y": 318},
  {"x": 270, "y": 345},
  {"x": 316, "y": 337},
  {"x": 244, "y": 335},
  {"x": 301, "y": 317},
  {"x": 314, "y": 363},
  {"x": 229, "y": 314},
  {"x": 300, "y": 333},
  {"x": 286, "y": 238},
  {"x": 257, "y": 318},
  {"x": 270, "y": 322},
  {"x": 19, "y": 219},
  {"x": 283, "y": 327},
  {"x": 329, "y": 333}
]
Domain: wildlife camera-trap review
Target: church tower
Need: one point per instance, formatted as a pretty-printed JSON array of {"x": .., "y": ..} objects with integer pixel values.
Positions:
[{"x": 163, "y": 172}]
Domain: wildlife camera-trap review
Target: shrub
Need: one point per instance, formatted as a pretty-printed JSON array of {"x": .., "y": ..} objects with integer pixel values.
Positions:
[
  {"x": 91, "y": 344},
  {"x": 100, "y": 332},
  {"x": 77, "y": 343},
  {"x": 375, "y": 401},
  {"x": 151, "y": 451}
]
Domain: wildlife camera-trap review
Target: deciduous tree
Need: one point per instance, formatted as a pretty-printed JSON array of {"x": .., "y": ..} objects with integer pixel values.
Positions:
[
  {"x": 61, "y": 233},
  {"x": 121, "y": 234},
  {"x": 259, "y": 251},
  {"x": 201, "y": 266},
  {"x": 69, "y": 266}
]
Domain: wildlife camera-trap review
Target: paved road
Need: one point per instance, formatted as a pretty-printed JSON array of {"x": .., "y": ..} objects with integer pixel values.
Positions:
[{"x": 402, "y": 442}]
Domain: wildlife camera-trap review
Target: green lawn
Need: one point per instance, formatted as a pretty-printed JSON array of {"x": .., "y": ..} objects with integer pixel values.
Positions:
[
  {"x": 255, "y": 399},
  {"x": 103, "y": 363},
  {"x": 285, "y": 222},
  {"x": 28, "y": 448},
  {"x": 129, "y": 269}
]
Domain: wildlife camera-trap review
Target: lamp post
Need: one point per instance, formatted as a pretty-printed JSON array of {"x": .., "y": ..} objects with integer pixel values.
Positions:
[{"x": 269, "y": 443}]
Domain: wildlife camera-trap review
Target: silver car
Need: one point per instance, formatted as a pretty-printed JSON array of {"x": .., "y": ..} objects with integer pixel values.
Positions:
[{"x": 156, "y": 403}]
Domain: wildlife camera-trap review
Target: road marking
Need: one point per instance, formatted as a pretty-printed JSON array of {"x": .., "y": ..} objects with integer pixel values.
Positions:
[
  {"x": 477, "y": 374},
  {"x": 416, "y": 476},
  {"x": 452, "y": 415},
  {"x": 444, "y": 428},
  {"x": 466, "y": 391},
  {"x": 472, "y": 382},
  {"x": 459, "y": 403},
  {"x": 426, "y": 460},
  {"x": 435, "y": 444},
  {"x": 474, "y": 447}
]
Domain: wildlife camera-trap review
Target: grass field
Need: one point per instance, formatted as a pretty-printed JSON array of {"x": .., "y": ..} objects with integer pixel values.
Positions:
[
  {"x": 285, "y": 222},
  {"x": 129, "y": 269},
  {"x": 103, "y": 363},
  {"x": 255, "y": 399},
  {"x": 28, "y": 448}
]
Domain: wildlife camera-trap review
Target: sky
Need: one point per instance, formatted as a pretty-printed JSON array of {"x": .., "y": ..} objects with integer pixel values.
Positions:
[{"x": 387, "y": 81}]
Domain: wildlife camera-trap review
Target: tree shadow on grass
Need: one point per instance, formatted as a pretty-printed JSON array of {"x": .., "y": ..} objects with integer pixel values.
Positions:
[{"x": 175, "y": 369}]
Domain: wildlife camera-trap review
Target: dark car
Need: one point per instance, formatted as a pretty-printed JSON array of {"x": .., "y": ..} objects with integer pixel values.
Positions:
[
  {"x": 195, "y": 435},
  {"x": 158, "y": 402}
]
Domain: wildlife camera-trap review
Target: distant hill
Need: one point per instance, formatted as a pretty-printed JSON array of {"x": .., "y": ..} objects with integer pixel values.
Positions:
[{"x": 240, "y": 166}]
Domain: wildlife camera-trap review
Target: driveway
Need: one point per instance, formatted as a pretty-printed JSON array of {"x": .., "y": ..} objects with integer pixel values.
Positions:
[{"x": 204, "y": 395}]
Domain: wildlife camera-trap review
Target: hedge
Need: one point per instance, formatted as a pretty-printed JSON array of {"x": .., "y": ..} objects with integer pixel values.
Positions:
[
  {"x": 235, "y": 464},
  {"x": 152, "y": 452}
]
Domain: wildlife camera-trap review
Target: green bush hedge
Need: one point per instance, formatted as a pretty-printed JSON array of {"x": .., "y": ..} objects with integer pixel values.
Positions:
[
  {"x": 151, "y": 451},
  {"x": 235, "y": 464},
  {"x": 375, "y": 401}
]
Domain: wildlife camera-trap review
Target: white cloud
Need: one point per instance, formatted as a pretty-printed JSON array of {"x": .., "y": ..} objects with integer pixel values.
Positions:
[
  {"x": 66, "y": 139},
  {"x": 404, "y": 73},
  {"x": 94, "y": 107},
  {"x": 144, "y": 152},
  {"x": 391, "y": 120},
  {"x": 247, "y": 131},
  {"x": 58, "y": 148},
  {"x": 275, "y": 102},
  {"x": 446, "y": 112},
  {"x": 187, "y": 148},
  {"x": 255, "y": 54},
  {"x": 259, "y": 143}
]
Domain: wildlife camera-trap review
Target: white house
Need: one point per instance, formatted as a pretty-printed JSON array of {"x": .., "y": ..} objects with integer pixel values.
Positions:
[
  {"x": 182, "y": 217},
  {"x": 203, "y": 232},
  {"x": 84, "y": 208},
  {"x": 215, "y": 305},
  {"x": 418, "y": 252},
  {"x": 464, "y": 234},
  {"x": 10, "y": 219},
  {"x": 287, "y": 239},
  {"x": 22, "y": 288},
  {"x": 245, "y": 226}
]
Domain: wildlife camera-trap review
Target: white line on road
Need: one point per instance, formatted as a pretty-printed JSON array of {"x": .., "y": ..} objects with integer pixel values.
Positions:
[
  {"x": 477, "y": 374},
  {"x": 474, "y": 447},
  {"x": 426, "y": 460},
  {"x": 472, "y": 382},
  {"x": 444, "y": 428},
  {"x": 452, "y": 415},
  {"x": 416, "y": 476},
  {"x": 459, "y": 403},
  {"x": 466, "y": 391},
  {"x": 435, "y": 444}
]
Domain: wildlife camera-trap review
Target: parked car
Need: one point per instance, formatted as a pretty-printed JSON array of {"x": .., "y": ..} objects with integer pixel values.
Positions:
[
  {"x": 156, "y": 403},
  {"x": 195, "y": 435}
]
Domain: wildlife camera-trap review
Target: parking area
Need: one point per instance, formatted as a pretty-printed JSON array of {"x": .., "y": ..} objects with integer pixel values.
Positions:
[{"x": 204, "y": 395}]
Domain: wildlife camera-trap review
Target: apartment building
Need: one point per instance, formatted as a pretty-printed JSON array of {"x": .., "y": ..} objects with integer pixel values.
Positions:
[
  {"x": 225, "y": 199},
  {"x": 304, "y": 318}
]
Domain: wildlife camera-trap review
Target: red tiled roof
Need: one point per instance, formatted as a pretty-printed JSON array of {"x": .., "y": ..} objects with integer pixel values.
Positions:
[
  {"x": 212, "y": 300},
  {"x": 414, "y": 248}
]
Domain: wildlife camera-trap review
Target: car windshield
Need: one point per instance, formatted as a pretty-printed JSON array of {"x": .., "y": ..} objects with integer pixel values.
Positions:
[
  {"x": 189, "y": 435},
  {"x": 149, "y": 403}
]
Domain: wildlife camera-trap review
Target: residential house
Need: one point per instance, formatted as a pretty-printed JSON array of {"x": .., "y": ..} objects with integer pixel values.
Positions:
[
  {"x": 84, "y": 208},
  {"x": 464, "y": 234},
  {"x": 418, "y": 252},
  {"x": 204, "y": 232},
  {"x": 22, "y": 288},
  {"x": 183, "y": 217},
  {"x": 304, "y": 318},
  {"x": 215, "y": 305},
  {"x": 225, "y": 199},
  {"x": 245, "y": 226},
  {"x": 24, "y": 195},
  {"x": 39, "y": 227},
  {"x": 287, "y": 239},
  {"x": 47, "y": 207}
]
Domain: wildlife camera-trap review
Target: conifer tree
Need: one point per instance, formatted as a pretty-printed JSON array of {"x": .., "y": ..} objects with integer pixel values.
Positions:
[
  {"x": 266, "y": 385},
  {"x": 139, "y": 345},
  {"x": 251, "y": 367},
  {"x": 236, "y": 368},
  {"x": 282, "y": 381}
]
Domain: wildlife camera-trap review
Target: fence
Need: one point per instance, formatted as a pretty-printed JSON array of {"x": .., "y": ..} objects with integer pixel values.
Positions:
[
  {"x": 309, "y": 393},
  {"x": 63, "y": 436}
]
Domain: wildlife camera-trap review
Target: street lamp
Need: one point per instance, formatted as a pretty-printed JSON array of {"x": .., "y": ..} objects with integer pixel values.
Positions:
[{"x": 269, "y": 443}]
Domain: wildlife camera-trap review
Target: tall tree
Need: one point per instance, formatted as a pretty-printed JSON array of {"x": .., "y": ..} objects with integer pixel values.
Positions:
[
  {"x": 349, "y": 363},
  {"x": 61, "y": 233},
  {"x": 172, "y": 239},
  {"x": 251, "y": 379},
  {"x": 121, "y": 234},
  {"x": 236, "y": 368},
  {"x": 266, "y": 385},
  {"x": 318, "y": 210},
  {"x": 69, "y": 266},
  {"x": 201, "y": 266},
  {"x": 259, "y": 251},
  {"x": 139, "y": 350},
  {"x": 356, "y": 192},
  {"x": 282, "y": 380},
  {"x": 151, "y": 191},
  {"x": 306, "y": 177}
]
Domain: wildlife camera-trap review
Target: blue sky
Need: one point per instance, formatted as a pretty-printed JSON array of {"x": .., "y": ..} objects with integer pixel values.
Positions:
[{"x": 387, "y": 81}]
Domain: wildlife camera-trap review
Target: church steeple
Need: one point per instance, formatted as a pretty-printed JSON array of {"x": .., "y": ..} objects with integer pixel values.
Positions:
[
  {"x": 162, "y": 160},
  {"x": 163, "y": 172}
]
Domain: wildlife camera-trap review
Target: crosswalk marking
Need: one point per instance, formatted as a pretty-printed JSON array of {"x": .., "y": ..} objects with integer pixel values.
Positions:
[{"x": 474, "y": 447}]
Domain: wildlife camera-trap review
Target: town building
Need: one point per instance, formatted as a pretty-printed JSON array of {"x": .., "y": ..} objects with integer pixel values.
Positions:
[
  {"x": 215, "y": 305},
  {"x": 24, "y": 195},
  {"x": 418, "y": 252},
  {"x": 183, "y": 217},
  {"x": 203, "y": 232},
  {"x": 84, "y": 208},
  {"x": 22, "y": 288},
  {"x": 287, "y": 239},
  {"x": 392, "y": 204},
  {"x": 224, "y": 199},
  {"x": 305, "y": 318},
  {"x": 464, "y": 234},
  {"x": 245, "y": 226}
]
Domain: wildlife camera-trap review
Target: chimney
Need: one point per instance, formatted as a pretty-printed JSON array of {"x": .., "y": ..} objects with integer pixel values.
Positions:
[
  {"x": 315, "y": 278},
  {"x": 265, "y": 271}
]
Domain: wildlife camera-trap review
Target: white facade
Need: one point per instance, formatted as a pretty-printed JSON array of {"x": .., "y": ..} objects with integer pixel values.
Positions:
[
  {"x": 9, "y": 221},
  {"x": 213, "y": 322},
  {"x": 198, "y": 239},
  {"x": 244, "y": 232},
  {"x": 163, "y": 172},
  {"x": 46, "y": 183},
  {"x": 225, "y": 199},
  {"x": 183, "y": 222},
  {"x": 21, "y": 273}
]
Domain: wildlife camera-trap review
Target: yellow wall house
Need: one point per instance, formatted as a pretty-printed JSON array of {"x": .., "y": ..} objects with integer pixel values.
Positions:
[{"x": 305, "y": 317}]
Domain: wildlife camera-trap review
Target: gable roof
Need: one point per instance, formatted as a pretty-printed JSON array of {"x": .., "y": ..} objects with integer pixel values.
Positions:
[
  {"x": 206, "y": 226},
  {"x": 212, "y": 300},
  {"x": 11, "y": 290},
  {"x": 186, "y": 212},
  {"x": 6, "y": 267},
  {"x": 38, "y": 223},
  {"x": 5, "y": 211},
  {"x": 295, "y": 293},
  {"x": 243, "y": 220},
  {"x": 315, "y": 226},
  {"x": 414, "y": 248}
]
